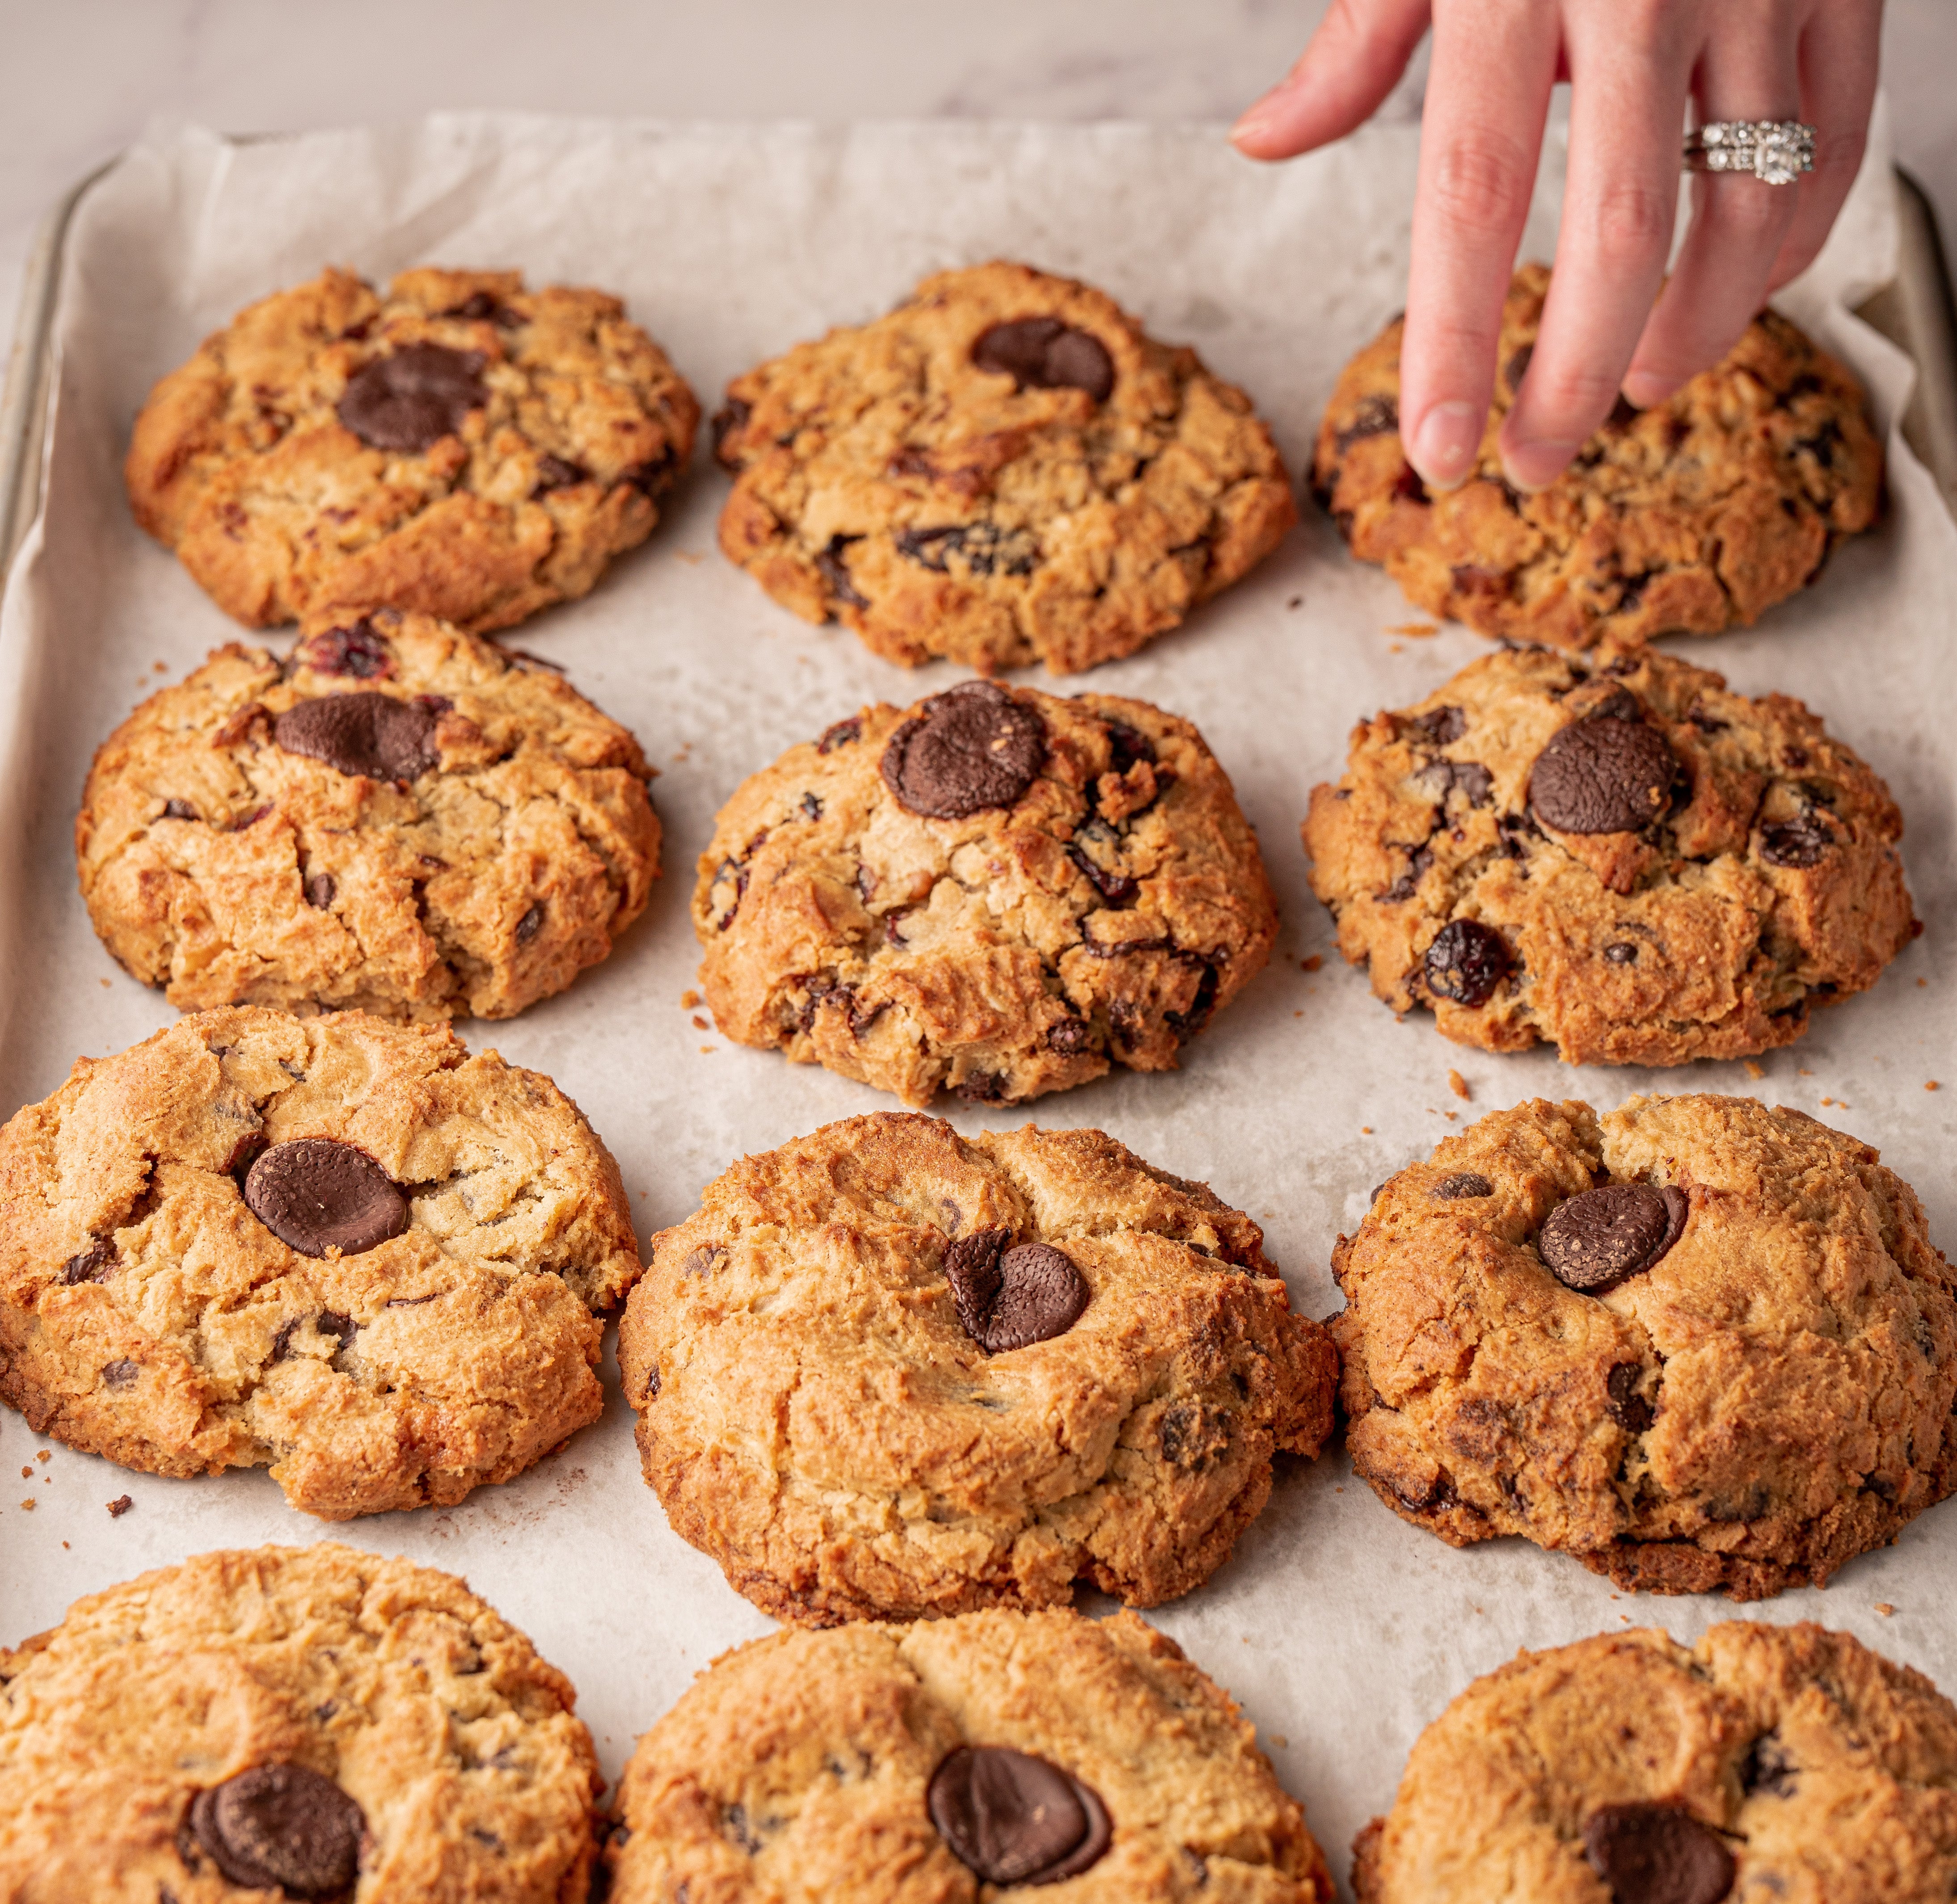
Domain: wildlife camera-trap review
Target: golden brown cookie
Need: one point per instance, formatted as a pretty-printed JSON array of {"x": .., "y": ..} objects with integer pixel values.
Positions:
[
  {"x": 290, "y": 1723},
  {"x": 1627, "y": 860},
  {"x": 1003, "y": 470},
  {"x": 463, "y": 447},
  {"x": 1702, "y": 1345},
  {"x": 398, "y": 817},
  {"x": 1693, "y": 516},
  {"x": 956, "y": 1760},
  {"x": 338, "y": 1247},
  {"x": 1767, "y": 1763},
  {"x": 995, "y": 892},
  {"x": 885, "y": 1371}
]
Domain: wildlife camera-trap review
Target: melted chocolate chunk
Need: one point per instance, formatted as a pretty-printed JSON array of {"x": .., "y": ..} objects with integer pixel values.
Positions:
[
  {"x": 1440, "y": 726},
  {"x": 970, "y": 747},
  {"x": 1657, "y": 1854},
  {"x": 555, "y": 472},
  {"x": 1768, "y": 1766},
  {"x": 984, "y": 547},
  {"x": 316, "y": 1194},
  {"x": 1466, "y": 962},
  {"x": 93, "y": 1265},
  {"x": 1010, "y": 1298},
  {"x": 1628, "y": 1408},
  {"x": 1126, "y": 745},
  {"x": 281, "y": 1827},
  {"x": 1372, "y": 416},
  {"x": 1439, "y": 778},
  {"x": 1014, "y": 1819},
  {"x": 1603, "y": 774},
  {"x": 1796, "y": 843},
  {"x": 1408, "y": 884},
  {"x": 843, "y": 733},
  {"x": 368, "y": 733},
  {"x": 410, "y": 401},
  {"x": 1115, "y": 888},
  {"x": 1046, "y": 355},
  {"x": 732, "y": 416},
  {"x": 1594, "y": 1241},
  {"x": 119, "y": 1374},
  {"x": 836, "y": 571},
  {"x": 1463, "y": 1183}
]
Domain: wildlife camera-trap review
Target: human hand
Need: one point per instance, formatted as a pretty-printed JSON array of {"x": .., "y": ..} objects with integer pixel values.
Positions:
[{"x": 1632, "y": 65}]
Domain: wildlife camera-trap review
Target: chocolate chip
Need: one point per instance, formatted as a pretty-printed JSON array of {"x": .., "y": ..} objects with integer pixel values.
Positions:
[
  {"x": 653, "y": 476},
  {"x": 370, "y": 733},
  {"x": 1014, "y": 1819},
  {"x": 1069, "y": 1036},
  {"x": 843, "y": 734},
  {"x": 732, "y": 415},
  {"x": 1768, "y": 1766},
  {"x": 281, "y": 1827},
  {"x": 178, "y": 809},
  {"x": 119, "y": 1506},
  {"x": 1373, "y": 416},
  {"x": 316, "y": 1193},
  {"x": 119, "y": 1374},
  {"x": 812, "y": 807},
  {"x": 1796, "y": 843},
  {"x": 477, "y": 304},
  {"x": 1463, "y": 1183},
  {"x": 1126, "y": 745},
  {"x": 359, "y": 651},
  {"x": 1440, "y": 777},
  {"x": 1622, "y": 953},
  {"x": 1628, "y": 1408},
  {"x": 1466, "y": 962},
  {"x": 836, "y": 571},
  {"x": 319, "y": 890},
  {"x": 1046, "y": 355},
  {"x": 1408, "y": 487},
  {"x": 984, "y": 547},
  {"x": 1010, "y": 1298},
  {"x": 410, "y": 400},
  {"x": 1602, "y": 775},
  {"x": 1657, "y": 1854},
  {"x": 1440, "y": 726},
  {"x": 1115, "y": 888},
  {"x": 92, "y": 1264},
  {"x": 970, "y": 747},
  {"x": 1593, "y": 1241},
  {"x": 1408, "y": 884},
  {"x": 527, "y": 926},
  {"x": 555, "y": 472}
]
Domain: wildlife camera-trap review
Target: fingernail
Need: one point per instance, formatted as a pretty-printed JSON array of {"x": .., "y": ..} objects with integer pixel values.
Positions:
[
  {"x": 1252, "y": 126},
  {"x": 1531, "y": 467},
  {"x": 1645, "y": 390},
  {"x": 1444, "y": 446}
]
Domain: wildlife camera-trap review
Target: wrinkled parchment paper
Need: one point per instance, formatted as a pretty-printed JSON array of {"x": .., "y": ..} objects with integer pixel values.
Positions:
[{"x": 1342, "y": 1630}]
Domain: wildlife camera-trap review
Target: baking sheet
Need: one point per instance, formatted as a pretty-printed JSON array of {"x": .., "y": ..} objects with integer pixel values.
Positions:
[{"x": 1342, "y": 1630}]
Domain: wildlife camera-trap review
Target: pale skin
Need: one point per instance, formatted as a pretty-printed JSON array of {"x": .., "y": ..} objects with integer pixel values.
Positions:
[{"x": 1614, "y": 322}]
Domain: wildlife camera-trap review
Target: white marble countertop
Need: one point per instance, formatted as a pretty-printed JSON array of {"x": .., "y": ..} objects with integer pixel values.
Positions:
[{"x": 80, "y": 81}]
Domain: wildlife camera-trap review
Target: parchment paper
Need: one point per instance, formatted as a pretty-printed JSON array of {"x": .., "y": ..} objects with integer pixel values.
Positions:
[{"x": 1341, "y": 1629}]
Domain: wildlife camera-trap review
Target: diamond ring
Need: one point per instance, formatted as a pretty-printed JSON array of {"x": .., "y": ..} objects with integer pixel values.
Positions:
[{"x": 1775, "y": 151}]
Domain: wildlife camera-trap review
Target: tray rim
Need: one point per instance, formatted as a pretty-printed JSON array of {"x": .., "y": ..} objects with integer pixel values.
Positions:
[{"x": 1917, "y": 312}]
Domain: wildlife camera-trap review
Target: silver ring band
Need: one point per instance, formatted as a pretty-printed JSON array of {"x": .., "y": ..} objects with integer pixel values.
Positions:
[{"x": 1775, "y": 151}]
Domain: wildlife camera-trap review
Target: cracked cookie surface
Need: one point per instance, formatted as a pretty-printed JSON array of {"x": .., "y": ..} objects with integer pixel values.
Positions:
[
  {"x": 444, "y": 1755},
  {"x": 874, "y": 903},
  {"x": 149, "y": 1312},
  {"x": 811, "y": 1765},
  {"x": 1770, "y": 1762},
  {"x": 462, "y": 447},
  {"x": 469, "y": 846},
  {"x": 1697, "y": 514},
  {"x": 1630, "y": 862},
  {"x": 1003, "y": 470},
  {"x": 1758, "y": 1391},
  {"x": 819, "y": 1411}
]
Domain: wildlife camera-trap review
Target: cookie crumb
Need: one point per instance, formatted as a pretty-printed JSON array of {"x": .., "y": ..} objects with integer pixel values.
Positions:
[
  {"x": 1804, "y": 1072},
  {"x": 1419, "y": 630},
  {"x": 1279, "y": 1741},
  {"x": 103, "y": 983},
  {"x": 1754, "y": 1070},
  {"x": 1365, "y": 1130},
  {"x": 699, "y": 1024},
  {"x": 119, "y": 1506},
  {"x": 691, "y": 558},
  {"x": 161, "y": 667},
  {"x": 41, "y": 1454},
  {"x": 1312, "y": 964},
  {"x": 1459, "y": 1085},
  {"x": 708, "y": 1050},
  {"x": 1932, "y": 1085},
  {"x": 1923, "y": 981},
  {"x": 1885, "y": 1610},
  {"x": 687, "y": 1000},
  {"x": 26, "y": 1474},
  {"x": 29, "y": 1504}
]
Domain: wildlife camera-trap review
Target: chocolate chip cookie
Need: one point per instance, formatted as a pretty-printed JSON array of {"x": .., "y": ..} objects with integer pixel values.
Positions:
[
  {"x": 291, "y": 1723},
  {"x": 1627, "y": 860},
  {"x": 995, "y": 892},
  {"x": 1702, "y": 1345},
  {"x": 1003, "y": 470},
  {"x": 462, "y": 446},
  {"x": 338, "y": 1247},
  {"x": 1767, "y": 1762},
  {"x": 954, "y": 1760},
  {"x": 1697, "y": 514},
  {"x": 885, "y": 1371},
  {"x": 398, "y": 817}
]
